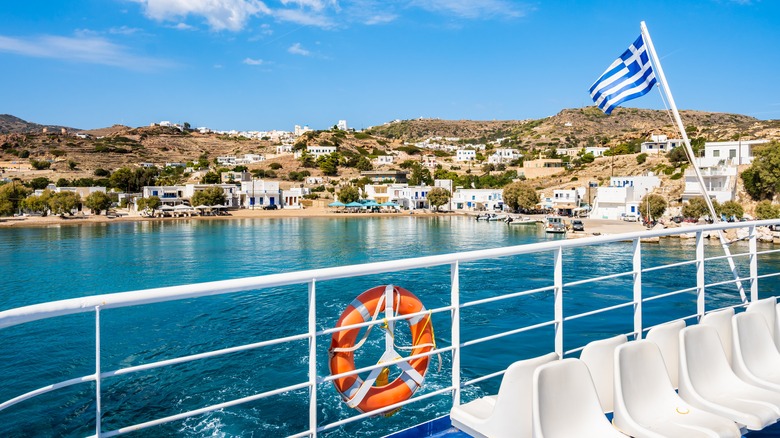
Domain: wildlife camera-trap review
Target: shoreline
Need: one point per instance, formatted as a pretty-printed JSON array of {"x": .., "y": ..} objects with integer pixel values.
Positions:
[{"x": 592, "y": 226}]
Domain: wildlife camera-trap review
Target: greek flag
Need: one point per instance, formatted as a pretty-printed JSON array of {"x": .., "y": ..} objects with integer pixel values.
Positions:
[{"x": 629, "y": 77}]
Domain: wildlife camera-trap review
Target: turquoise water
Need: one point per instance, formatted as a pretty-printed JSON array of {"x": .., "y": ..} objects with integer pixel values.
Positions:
[{"x": 46, "y": 264}]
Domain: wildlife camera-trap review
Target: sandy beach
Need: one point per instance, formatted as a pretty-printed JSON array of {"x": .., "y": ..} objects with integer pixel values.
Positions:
[{"x": 592, "y": 226}]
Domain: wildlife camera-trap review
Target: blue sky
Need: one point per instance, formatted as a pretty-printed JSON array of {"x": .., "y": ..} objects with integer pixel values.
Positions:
[{"x": 260, "y": 65}]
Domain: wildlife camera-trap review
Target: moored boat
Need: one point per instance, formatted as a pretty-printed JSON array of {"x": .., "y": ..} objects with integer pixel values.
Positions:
[{"x": 554, "y": 224}]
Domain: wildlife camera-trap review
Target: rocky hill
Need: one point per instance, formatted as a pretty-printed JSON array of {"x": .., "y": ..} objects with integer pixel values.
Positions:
[{"x": 11, "y": 124}]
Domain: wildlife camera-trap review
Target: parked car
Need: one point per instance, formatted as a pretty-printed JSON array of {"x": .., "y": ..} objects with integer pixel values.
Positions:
[
  {"x": 577, "y": 225},
  {"x": 271, "y": 207},
  {"x": 677, "y": 219}
]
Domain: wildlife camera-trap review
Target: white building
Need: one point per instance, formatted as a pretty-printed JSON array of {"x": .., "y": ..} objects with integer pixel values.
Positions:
[
  {"x": 259, "y": 193},
  {"x": 342, "y": 124},
  {"x": 383, "y": 160},
  {"x": 292, "y": 198},
  {"x": 317, "y": 151},
  {"x": 465, "y": 155},
  {"x": 382, "y": 193},
  {"x": 478, "y": 199},
  {"x": 299, "y": 131},
  {"x": 597, "y": 151},
  {"x": 429, "y": 161},
  {"x": 566, "y": 201},
  {"x": 732, "y": 153},
  {"x": 504, "y": 156},
  {"x": 284, "y": 149},
  {"x": 232, "y": 197},
  {"x": 169, "y": 195},
  {"x": 659, "y": 144},
  {"x": 622, "y": 196}
]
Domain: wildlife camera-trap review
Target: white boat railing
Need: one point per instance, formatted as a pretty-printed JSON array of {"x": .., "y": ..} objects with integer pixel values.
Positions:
[{"x": 100, "y": 303}]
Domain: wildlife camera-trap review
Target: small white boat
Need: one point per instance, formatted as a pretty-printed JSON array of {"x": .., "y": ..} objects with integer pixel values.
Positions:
[
  {"x": 497, "y": 217},
  {"x": 525, "y": 220},
  {"x": 554, "y": 224}
]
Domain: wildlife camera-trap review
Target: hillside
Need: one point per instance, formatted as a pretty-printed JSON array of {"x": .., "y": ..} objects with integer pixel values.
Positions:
[
  {"x": 110, "y": 148},
  {"x": 12, "y": 124}
]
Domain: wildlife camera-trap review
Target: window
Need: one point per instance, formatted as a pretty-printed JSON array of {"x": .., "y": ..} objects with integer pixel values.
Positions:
[
  {"x": 716, "y": 153},
  {"x": 732, "y": 153}
]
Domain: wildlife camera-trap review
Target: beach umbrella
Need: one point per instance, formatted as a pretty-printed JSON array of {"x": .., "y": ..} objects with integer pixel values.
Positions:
[
  {"x": 201, "y": 207},
  {"x": 388, "y": 204},
  {"x": 354, "y": 205},
  {"x": 182, "y": 207},
  {"x": 336, "y": 204},
  {"x": 371, "y": 203},
  {"x": 167, "y": 208}
]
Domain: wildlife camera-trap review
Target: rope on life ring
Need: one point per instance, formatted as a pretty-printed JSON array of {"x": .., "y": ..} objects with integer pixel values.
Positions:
[{"x": 375, "y": 392}]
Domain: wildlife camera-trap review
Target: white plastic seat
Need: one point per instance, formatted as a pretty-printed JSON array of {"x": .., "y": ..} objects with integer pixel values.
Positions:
[
  {"x": 509, "y": 413},
  {"x": 667, "y": 338},
  {"x": 565, "y": 403},
  {"x": 721, "y": 321},
  {"x": 599, "y": 356},
  {"x": 707, "y": 382},
  {"x": 646, "y": 404},
  {"x": 756, "y": 361},
  {"x": 768, "y": 309}
]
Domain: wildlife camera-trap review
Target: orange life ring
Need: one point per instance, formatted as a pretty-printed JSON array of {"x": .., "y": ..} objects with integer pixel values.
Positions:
[{"x": 342, "y": 358}]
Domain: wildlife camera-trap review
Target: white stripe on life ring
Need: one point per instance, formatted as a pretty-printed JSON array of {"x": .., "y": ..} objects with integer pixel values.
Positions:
[
  {"x": 418, "y": 318},
  {"x": 361, "y": 308}
]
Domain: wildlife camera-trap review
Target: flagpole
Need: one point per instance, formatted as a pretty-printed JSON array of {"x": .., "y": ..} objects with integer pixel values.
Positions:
[{"x": 689, "y": 151}]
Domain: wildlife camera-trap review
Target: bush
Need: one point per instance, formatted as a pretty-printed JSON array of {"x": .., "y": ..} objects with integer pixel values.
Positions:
[
  {"x": 767, "y": 210},
  {"x": 676, "y": 176},
  {"x": 275, "y": 166},
  {"x": 362, "y": 136},
  {"x": 40, "y": 165},
  {"x": 101, "y": 172},
  {"x": 641, "y": 158}
]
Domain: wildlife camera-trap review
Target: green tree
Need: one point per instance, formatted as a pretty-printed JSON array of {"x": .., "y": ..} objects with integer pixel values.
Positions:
[
  {"x": 438, "y": 196},
  {"x": 349, "y": 194},
  {"x": 11, "y": 196},
  {"x": 732, "y": 208},
  {"x": 98, "y": 201},
  {"x": 38, "y": 203},
  {"x": 307, "y": 159},
  {"x": 39, "y": 183},
  {"x": 209, "y": 196},
  {"x": 210, "y": 178},
  {"x": 101, "y": 172},
  {"x": 695, "y": 208},
  {"x": 767, "y": 210},
  {"x": 656, "y": 204},
  {"x": 587, "y": 158},
  {"x": 72, "y": 165},
  {"x": 328, "y": 164},
  {"x": 64, "y": 202},
  {"x": 363, "y": 164},
  {"x": 519, "y": 195},
  {"x": 152, "y": 203},
  {"x": 408, "y": 164},
  {"x": 762, "y": 178},
  {"x": 276, "y": 166},
  {"x": 420, "y": 175},
  {"x": 641, "y": 158},
  {"x": 122, "y": 179}
]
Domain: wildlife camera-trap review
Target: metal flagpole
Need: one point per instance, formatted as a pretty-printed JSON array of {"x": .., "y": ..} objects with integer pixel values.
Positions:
[{"x": 689, "y": 151}]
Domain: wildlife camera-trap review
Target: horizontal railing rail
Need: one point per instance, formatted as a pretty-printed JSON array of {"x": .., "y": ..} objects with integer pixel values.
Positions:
[{"x": 312, "y": 278}]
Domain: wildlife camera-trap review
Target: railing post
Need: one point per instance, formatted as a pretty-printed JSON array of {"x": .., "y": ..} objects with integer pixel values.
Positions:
[
  {"x": 455, "y": 303},
  {"x": 637, "y": 289},
  {"x": 98, "y": 407},
  {"x": 313, "y": 358},
  {"x": 558, "y": 300},
  {"x": 753, "y": 248},
  {"x": 700, "y": 275}
]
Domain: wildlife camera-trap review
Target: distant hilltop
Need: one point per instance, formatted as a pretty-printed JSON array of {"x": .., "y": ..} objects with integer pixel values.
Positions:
[{"x": 14, "y": 125}]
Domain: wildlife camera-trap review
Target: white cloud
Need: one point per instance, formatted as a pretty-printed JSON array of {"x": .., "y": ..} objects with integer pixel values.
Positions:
[
  {"x": 474, "y": 9},
  {"x": 380, "y": 19},
  {"x": 124, "y": 30},
  {"x": 219, "y": 14},
  {"x": 250, "y": 61},
  {"x": 316, "y": 5},
  {"x": 296, "y": 49},
  {"x": 81, "y": 48},
  {"x": 304, "y": 18},
  {"x": 183, "y": 26}
]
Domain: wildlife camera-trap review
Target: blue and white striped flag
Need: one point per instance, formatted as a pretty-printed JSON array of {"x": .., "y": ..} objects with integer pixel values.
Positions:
[{"x": 629, "y": 77}]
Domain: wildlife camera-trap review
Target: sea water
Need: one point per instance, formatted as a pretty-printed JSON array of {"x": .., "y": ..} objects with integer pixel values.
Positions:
[{"x": 59, "y": 262}]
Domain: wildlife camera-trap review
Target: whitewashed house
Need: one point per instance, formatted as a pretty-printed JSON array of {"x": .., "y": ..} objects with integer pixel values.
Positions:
[
  {"x": 567, "y": 201},
  {"x": 284, "y": 149},
  {"x": 478, "y": 199},
  {"x": 465, "y": 155},
  {"x": 169, "y": 195},
  {"x": 622, "y": 196},
  {"x": 383, "y": 160},
  {"x": 291, "y": 198},
  {"x": 429, "y": 161},
  {"x": 317, "y": 151},
  {"x": 659, "y": 144},
  {"x": 504, "y": 156},
  {"x": 719, "y": 168},
  {"x": 259, "y": 193},
  {"x": 597, "y": 151}
]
